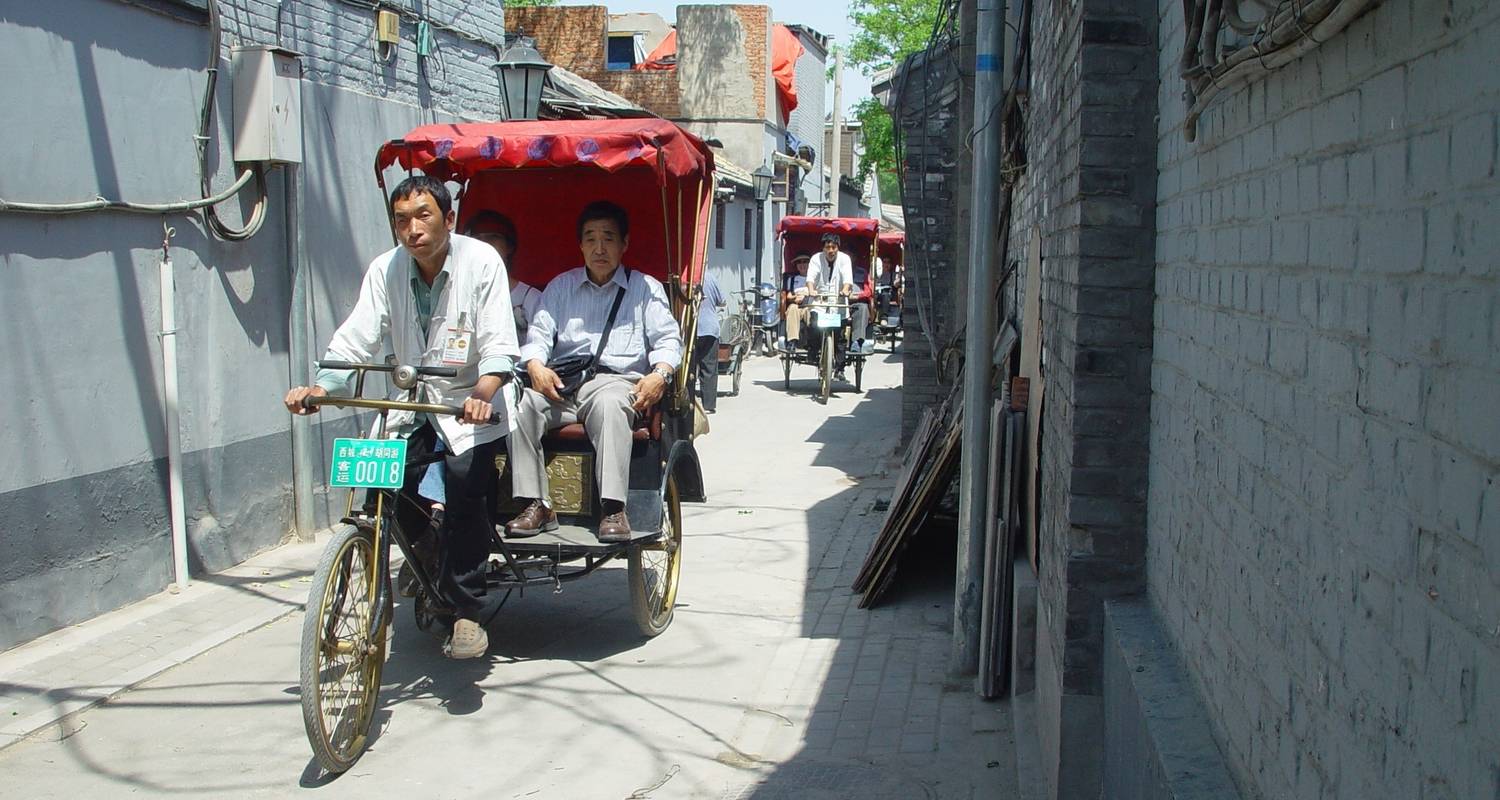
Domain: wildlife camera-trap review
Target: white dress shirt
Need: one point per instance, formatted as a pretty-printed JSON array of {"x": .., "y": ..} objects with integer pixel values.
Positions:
[
  {"x": 825, "y": 278},
  {"x": 573, "y": 311},
  {"x": 474, "y": 296}
]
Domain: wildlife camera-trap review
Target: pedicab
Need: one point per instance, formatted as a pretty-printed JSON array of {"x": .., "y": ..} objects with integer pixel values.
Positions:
[
  {"x": 824, "y": 339},
  {"x": 891, "y": 249},
  {"x": 540, "y": 175}
]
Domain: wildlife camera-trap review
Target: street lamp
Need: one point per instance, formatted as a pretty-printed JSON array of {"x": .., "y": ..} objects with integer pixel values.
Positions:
[
  {"x": 522, "y": 70},
  {"x": 761, "y": 178}
]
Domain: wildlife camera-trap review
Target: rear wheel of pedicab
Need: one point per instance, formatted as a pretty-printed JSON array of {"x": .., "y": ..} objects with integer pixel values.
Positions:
[
  {"x": 341, "y": 664},
  {"x": 825, "y": 369},
  {"x": 859, "y": 374},
  {"x": 654, "y": 568}
]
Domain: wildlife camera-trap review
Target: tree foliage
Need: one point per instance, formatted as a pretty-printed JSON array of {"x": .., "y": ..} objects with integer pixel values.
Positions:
[{"x": 885, "y": 32}]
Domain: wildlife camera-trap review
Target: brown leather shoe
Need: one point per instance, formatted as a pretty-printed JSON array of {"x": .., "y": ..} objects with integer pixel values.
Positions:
[
  {"x": 614, "y": 528},
  {"x": 535, "y": 519}
]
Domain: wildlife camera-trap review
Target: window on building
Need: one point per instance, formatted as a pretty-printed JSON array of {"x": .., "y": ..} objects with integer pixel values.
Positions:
[
  {"x": 621, "y": 53},
  {"x": 749, "y": 229},
  {"x": 720, "y": 217}
]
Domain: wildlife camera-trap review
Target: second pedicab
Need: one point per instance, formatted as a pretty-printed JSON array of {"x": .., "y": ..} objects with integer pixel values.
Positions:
[
  {"x": 825, "y": 337},
  {"x": 888, "y": 288},
  {"x": 539, "y": 174}
]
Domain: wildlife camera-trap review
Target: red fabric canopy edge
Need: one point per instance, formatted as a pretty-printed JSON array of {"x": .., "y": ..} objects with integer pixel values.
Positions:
[
  {"x": 865, "y": 225},
  {"x": 786, "y": 48},
  {"x": 457, "y": 151}
]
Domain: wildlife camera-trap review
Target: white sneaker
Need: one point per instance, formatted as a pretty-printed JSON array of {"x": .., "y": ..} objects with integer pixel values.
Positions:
[
  {"x": 781, "y": 344},
  {"x": 469, "y": 640}
]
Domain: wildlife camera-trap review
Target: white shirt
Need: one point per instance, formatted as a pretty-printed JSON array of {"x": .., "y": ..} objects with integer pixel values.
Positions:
[
  {"x": 474, "y": 295},
  {"x": 826, "y": 278},
  {"x": 573, "y": 311},
  {"x": 524, "y": 300}
]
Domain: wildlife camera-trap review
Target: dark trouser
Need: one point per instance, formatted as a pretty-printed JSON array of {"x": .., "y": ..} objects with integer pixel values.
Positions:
[
  {"x": 463, "y": 543},
  {"x": 705, "y": 372}
]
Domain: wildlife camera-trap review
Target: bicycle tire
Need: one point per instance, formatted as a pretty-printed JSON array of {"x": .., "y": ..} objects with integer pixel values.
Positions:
[
  {"x": 653, "y": 580},
  {"x": 336, "y": 613}
]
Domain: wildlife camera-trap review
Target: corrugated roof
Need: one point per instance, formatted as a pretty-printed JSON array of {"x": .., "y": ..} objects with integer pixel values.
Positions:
[{"x": 569, "y": 90}]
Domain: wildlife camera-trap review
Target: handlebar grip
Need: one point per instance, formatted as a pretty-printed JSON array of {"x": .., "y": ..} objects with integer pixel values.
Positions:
[
  {"x": 335, "y": 364},
  {"x": 438, "y": 372}
]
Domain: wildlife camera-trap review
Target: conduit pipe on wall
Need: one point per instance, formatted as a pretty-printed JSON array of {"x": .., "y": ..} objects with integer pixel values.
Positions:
[
  {"x": 973, "y": 498},
  {"x": 168, "y": 283},
  {"x": 299, "y": 362}
]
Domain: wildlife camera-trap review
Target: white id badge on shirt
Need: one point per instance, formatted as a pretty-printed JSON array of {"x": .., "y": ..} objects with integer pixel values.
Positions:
[{"x": 456, "y": 343}]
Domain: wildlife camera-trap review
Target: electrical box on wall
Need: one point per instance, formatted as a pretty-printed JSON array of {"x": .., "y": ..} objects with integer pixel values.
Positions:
[
  {"x": 387, "y": 27},
  {"x": 267, "y": 104}
]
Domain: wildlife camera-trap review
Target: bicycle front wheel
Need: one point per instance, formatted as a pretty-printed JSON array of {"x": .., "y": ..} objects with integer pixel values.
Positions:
[
  {"x": 825, "y": 369},
  {"x": 341, "y": 663}
]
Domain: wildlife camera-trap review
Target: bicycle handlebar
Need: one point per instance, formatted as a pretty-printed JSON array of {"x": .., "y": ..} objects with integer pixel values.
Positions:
[
  {"x": 433, "y": 372},
  {"x": 390, "y": 405}
]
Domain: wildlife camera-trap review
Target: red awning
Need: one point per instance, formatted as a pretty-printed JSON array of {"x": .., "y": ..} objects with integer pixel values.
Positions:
[
  {"x": 664, "y": 57},
  {"x": 786, "y": 48},
  {"x": 840, "y": 225}
]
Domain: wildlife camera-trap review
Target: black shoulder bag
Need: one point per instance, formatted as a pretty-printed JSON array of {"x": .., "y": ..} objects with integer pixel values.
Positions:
[{"x": 574, "y": 371}]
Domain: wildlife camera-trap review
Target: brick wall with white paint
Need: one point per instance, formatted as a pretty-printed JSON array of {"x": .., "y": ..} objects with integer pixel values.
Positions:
[{"x": 1324, "y": 512}]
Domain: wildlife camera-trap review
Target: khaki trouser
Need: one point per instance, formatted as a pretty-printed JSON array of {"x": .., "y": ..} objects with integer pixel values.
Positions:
[
  {"x": 603, "y": 406},
  {"x": 795, "y": 315}
]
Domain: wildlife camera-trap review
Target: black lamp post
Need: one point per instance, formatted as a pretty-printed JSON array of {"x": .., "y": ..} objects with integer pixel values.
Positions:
[
  {"x": 762, "y": 178},
  {"x": 522, "y": 71}
]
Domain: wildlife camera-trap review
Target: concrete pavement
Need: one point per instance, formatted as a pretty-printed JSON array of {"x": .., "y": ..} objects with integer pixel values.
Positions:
[{"x": 769, "y": 683}]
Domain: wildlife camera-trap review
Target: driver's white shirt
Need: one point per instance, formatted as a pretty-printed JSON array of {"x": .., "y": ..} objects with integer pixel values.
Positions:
[{"x": 825, "y": 278}]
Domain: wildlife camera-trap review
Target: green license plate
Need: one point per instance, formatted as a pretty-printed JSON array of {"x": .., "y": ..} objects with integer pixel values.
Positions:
[{"x": 368, "y": 463}]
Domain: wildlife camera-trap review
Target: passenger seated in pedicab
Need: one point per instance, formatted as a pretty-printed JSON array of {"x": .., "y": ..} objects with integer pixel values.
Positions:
[
  {"x": 793, "y": 295},
  {"x": 496, "y": 230},
  {"x": 831, "y": 272},
  {"x": 575, "y": 376}
]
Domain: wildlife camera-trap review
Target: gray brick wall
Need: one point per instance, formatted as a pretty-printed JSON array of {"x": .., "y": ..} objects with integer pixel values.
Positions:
[
  {"x": 1324, "y": 527},
  {"x": 930, "y": 120},
  {"x": 337, "y": 41}
]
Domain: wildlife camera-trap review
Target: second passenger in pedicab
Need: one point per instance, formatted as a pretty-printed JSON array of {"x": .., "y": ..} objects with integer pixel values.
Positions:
[
  {"x": 628, "y": 375},
  {"x": 793, "y": 295}
]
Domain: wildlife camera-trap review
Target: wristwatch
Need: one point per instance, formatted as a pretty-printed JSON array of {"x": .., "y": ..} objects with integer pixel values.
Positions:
[{"x": 664, "y": 372}]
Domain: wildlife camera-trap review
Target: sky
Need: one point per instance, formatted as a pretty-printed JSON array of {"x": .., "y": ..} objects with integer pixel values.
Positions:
[{"x": 828, "y": 18}]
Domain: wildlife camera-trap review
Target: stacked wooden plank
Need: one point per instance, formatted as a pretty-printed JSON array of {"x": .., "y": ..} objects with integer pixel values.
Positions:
[{"x": 928, "y": 469}]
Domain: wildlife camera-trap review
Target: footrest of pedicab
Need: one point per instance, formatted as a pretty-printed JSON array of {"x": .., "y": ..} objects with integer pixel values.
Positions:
[{"x": 574, "y": 539}]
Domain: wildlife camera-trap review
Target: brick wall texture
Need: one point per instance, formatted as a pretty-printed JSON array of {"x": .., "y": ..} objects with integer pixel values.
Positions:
[
  {"x": 1324, "y": 527},
  {"x": 337, "y": 44},
  {"x": 574, "y": 38}
]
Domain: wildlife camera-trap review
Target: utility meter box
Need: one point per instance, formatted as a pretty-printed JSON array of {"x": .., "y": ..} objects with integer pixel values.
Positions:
[{"x": 267, "y": 104}]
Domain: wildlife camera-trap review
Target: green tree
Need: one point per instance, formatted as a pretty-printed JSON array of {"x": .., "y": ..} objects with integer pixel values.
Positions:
[{"x": 885, "y": 32}]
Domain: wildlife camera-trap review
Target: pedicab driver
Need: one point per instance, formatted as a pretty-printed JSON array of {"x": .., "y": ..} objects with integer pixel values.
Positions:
[
  {"x": 643, "y": 348},
  {"x": 832, "y": 272},
  {"x": 441, "y": 299}
]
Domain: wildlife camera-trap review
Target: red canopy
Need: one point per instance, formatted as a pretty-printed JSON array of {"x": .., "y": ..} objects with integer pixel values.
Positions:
[
  {"x": 892, "y": 247},
  {"x": 664, "y": 57},
  {"x": 542, "y": 174},
  {"x": 804, "y": 236}
]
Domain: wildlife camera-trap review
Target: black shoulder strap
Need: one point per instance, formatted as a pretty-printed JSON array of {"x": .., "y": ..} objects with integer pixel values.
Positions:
[{"x": 609, "y": 324}]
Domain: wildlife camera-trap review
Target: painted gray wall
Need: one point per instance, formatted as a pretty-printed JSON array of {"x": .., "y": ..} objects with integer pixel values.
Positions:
[
  {"x": 806, "y": 120},
  {"x": 109, "y": 94},
  {"x": 1324, "y": 527}
]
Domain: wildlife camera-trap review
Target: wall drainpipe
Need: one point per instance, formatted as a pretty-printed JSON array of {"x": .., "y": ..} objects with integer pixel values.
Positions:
[
  {"x": 168, "y": 283},
  {"x": 300, "y": 358}
]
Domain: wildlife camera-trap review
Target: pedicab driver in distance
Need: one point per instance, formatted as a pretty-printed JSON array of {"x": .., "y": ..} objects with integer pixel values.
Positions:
[
  {"x": 643, "y": 348},
  {"x": 831, "y": 272},
  {"x": 443, "y": 300}
]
